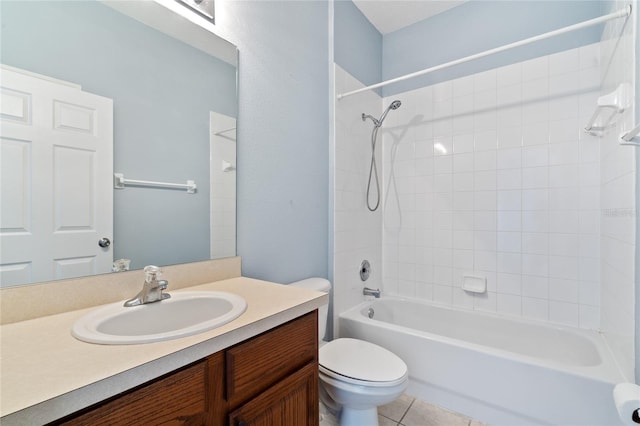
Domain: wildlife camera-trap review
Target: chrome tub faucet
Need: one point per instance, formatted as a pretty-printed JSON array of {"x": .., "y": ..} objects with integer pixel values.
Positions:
[
  {"x": 151, "y": 289},
  {"x": 371, "y": 292}
]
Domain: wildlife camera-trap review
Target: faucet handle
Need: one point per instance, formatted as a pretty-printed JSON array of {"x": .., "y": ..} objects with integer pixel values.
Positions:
[{"x": 151, "y": 272}]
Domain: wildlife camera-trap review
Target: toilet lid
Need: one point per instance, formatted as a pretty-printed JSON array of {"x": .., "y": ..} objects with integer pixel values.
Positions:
[{"x": 361, "y": 360}]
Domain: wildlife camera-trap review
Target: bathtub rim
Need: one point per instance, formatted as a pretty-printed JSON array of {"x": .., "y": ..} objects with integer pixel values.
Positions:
[{"x": 608, "y": 371}]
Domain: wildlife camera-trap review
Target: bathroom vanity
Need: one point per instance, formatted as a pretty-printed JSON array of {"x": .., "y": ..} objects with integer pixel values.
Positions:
[
  {"x": 262, "y": 365},
  {"x": 269, "y": 379}
]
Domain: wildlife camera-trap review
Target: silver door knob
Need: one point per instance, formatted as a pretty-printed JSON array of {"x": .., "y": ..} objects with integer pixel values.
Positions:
[{"x": 104, "y": 242}]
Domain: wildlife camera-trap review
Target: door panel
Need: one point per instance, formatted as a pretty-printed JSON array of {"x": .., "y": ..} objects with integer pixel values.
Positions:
[{"x": 57, "y": 167}]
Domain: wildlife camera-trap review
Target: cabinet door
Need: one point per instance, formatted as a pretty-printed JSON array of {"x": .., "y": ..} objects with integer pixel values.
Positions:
[
  {"x": 255, "y": 365},
  {"x": 292, "y": 401},
  {"x": 176, "y": 399}
]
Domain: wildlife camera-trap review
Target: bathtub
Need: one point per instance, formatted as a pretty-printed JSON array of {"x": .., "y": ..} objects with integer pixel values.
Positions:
[{"x": 495, "y": 369}]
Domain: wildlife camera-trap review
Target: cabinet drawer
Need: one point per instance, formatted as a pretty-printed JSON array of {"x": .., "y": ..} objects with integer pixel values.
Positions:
[{"x": 258, "y": 363}]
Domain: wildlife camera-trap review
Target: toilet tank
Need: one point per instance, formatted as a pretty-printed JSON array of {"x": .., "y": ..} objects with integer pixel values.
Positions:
[{"x": 317, "y": 284}]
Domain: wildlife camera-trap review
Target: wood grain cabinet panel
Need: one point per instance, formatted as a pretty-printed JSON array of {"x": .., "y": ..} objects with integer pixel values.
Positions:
[
  {"x": 255, "y": 365},
  {"x": 176, "y": 399},
  {"x": 292, "y": 401}
]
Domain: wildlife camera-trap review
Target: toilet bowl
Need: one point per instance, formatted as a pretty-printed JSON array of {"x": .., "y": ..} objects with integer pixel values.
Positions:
[{"x": 355, "y": 376}]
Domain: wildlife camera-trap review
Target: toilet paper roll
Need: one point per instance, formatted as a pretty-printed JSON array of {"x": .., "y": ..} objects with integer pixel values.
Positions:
[{"x": 627, "y": 399}]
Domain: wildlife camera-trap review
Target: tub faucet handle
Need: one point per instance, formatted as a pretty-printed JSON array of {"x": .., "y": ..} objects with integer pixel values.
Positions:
[{"x": 371, "y": 292}]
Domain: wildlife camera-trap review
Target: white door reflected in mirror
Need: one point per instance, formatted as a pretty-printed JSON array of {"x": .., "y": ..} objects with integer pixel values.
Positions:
[{"x": 56, "y": 150}]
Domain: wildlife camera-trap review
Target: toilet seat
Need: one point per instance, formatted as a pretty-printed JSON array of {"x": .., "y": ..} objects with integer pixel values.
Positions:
[{"x": 362, "y": 363}]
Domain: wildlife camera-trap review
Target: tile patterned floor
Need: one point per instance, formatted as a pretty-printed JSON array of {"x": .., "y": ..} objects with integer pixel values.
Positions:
[{"x": 409, "y": 411}]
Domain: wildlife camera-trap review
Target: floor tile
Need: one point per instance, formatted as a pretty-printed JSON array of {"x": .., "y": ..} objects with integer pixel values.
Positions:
[
  {"x": 424, "y": 414},
  {"x": 396, "y": 409},
  {"x": 326, "y": 418},
  {"x": 408, "y": 411},
  {"x": 383, "y": 421}
]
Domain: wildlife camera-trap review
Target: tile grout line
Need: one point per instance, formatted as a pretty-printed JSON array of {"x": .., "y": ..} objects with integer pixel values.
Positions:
[{"x": 406, "y": 411}]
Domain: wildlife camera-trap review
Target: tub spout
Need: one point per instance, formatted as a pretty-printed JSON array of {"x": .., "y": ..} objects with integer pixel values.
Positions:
[{"x": 371, "y": 292}]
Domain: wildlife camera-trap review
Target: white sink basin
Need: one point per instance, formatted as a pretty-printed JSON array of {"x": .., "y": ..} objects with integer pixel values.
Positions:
[{"x": 184, "y": 314}]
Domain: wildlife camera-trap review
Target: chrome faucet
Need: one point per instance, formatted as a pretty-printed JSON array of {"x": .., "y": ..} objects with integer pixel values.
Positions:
[
  {"x": 371, "y": 292},
  {"x": 151, "y": 289}
]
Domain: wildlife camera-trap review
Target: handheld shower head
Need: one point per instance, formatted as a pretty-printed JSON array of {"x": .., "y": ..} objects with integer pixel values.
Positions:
[
  {"x": 394, "y": 105},
  {"x": 373, "y": 170}
]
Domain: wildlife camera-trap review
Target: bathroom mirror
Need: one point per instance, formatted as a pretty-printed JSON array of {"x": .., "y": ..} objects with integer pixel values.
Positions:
[{"x": 172, "y": 85}]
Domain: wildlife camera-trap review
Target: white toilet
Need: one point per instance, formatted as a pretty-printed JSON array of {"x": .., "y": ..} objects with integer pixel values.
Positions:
[{"x": 355, "y": 376}]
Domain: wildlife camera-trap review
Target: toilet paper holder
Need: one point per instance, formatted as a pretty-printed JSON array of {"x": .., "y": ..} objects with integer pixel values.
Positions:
[{"x": 626, "y": 397}]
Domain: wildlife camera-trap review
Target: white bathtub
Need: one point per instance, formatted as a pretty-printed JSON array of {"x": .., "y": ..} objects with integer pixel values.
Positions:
[{"x": 495, "y": 369}]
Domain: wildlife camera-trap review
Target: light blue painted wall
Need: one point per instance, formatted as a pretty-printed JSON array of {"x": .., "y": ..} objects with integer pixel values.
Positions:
[
  {"x": 161, "y": 117},
  {"x": 477, "y": 26},
  {"x": 357, "y": 43},
  {"x": 283, "y": 134}
]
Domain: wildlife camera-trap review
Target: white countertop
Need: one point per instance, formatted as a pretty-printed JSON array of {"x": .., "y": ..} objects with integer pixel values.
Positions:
[{"x": 45, "y": 373}]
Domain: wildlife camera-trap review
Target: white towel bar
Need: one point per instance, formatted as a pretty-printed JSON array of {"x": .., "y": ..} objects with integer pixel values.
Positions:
[
  {"x": 630, "y": 137},
  {"x": 119, "y": 182}
]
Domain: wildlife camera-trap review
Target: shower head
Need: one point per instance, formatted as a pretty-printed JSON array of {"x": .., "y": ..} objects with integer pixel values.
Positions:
[{"x": 394, "y": 105}]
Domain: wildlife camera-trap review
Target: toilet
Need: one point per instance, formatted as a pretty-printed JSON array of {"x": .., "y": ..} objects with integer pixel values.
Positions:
[{"x": 355, "y": 376}]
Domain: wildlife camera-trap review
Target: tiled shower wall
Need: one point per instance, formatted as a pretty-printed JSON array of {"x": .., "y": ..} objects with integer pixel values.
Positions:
[
  {"x": 492, "y": 175},
  {"x": 618, "y": 179},
  {"x": 357, "y": 231}
]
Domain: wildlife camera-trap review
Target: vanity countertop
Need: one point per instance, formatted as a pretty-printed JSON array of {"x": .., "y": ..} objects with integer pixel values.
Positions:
[{"x": 45, "y": 373}]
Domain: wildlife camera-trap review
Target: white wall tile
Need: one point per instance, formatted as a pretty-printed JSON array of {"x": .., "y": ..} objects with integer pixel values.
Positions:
[
  {"x": 535, "y": 177},
  {"x": 486, "y": 302},
  {"x": 500, "y": 179},
  {"x": 509, "y": 304},
  {"x": 535, "y": 156},
  {"x": 535, "y": 68},
  {"x": 463, "y": 162},
  {"x": 510, "y": 75},
  {"x": 443, "y": 294},
  {"x": 535, "y": 286},
  {"x": 509, "y": 283},
  {"x": 564, "y": 313},
  {"x": 563, "y": 62},
  {"x": 509, "y": 136},
  {"x": 535, "y": 264},
  {"x": 535, "y": 199},
  {"x": 485, "y": 160},
  {"x": 485, "y": 81},
  {"x": 487, "y": 139},
  {"x": 537, "y": 309},
  {"x": 535, "y": 243},
  {"x": 509, "y": 158},
  {"x": 509, "y": 242}
]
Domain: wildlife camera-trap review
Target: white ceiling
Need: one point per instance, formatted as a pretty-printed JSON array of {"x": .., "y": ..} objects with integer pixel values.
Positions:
[{"x": 391, "y": 15}]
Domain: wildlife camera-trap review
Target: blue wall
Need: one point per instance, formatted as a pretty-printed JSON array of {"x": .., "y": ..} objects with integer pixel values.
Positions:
[
  {"x": 357, "y": 43},
  {"x": 283, "y": 122},
  {"x": 163, "y": 91},
  {"x": 480, "y": 25}
]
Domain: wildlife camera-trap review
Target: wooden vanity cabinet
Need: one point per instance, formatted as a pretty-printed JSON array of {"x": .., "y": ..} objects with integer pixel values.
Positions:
[{"x": 270, "y": 379}]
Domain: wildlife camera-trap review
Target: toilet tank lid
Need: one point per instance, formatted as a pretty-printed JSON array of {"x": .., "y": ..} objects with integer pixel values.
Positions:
[{"x": 318, "y": 284}]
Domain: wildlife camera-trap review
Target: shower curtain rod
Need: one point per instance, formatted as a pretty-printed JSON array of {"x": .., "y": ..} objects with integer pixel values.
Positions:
[{"x": 615, "y": 15}]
